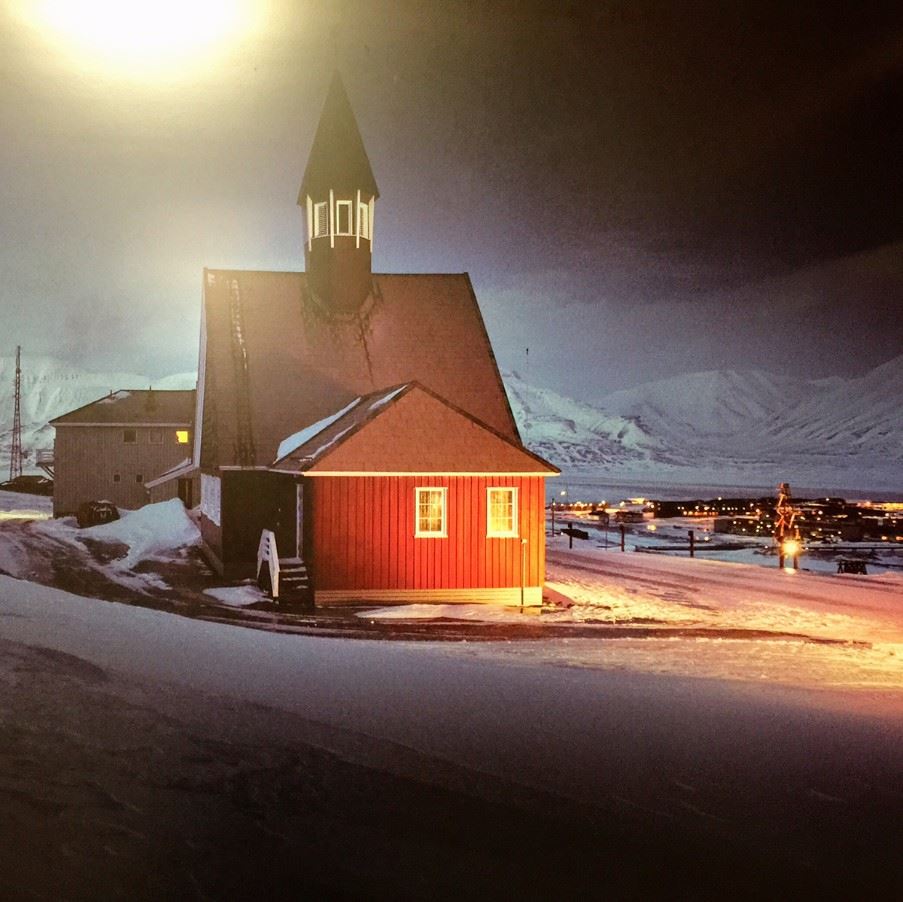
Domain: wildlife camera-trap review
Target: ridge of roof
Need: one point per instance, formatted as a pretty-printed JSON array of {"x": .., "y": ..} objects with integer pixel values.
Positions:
[
  {"x": 119, "y": 397},
  {"x": 337, "y": 157}
]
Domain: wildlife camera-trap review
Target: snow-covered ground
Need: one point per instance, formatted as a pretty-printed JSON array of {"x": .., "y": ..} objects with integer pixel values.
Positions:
[{"x": 752, "y": 734}]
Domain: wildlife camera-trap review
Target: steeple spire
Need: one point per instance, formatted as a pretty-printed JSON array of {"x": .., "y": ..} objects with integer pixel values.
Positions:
[
  {"x": 337, "y": 158},
  {"x": 338, "y": 193}
]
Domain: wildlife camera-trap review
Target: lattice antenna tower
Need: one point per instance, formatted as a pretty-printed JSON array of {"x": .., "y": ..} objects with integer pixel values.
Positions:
[{"x": 15, "y": 453}]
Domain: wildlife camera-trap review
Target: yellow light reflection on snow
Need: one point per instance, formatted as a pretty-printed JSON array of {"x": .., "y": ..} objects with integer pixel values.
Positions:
[
  {"x": 162, "y": 38},
  {"x": 24, "y": 515}
]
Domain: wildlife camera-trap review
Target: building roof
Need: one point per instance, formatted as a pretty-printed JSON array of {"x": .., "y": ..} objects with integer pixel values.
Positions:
[
  {"x": 404, "y": 429},
  {"x": 337, "y": 158},
  {"x": 181, "y": 469},
  {"x": 144, "y": 407},
  {"x": 275, "y": 361}
]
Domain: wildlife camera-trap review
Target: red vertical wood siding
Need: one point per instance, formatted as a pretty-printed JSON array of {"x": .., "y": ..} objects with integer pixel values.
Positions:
[{"x": 363, "y": 534}]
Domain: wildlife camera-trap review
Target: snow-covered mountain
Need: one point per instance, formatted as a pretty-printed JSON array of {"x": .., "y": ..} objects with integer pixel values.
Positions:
[
  {"x": 727, "y": 428},
  {"x": 717, "y": 428},
  {"x": 51, "y": 387}
]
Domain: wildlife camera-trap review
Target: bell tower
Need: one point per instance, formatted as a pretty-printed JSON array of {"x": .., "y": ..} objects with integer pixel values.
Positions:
[{"x": 338, "y": 196}]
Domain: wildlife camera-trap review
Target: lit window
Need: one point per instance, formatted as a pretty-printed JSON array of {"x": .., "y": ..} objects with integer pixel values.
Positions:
[
  {"x": 129, "y": 437},
  {"x": 155, "y": 437},
  {"x": 363, "y": 212},
  {"x": 321, "y": 219},
  {"x": 182, "y": 436},
  {"x": 430, "y": 512},
  {"x": 343, "y": 218},
  {"x": 501, "y": 512}
]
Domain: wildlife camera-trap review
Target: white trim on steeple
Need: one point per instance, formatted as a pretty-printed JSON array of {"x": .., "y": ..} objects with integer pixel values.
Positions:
[
  {"x": 331, "y": 218},
  {"x": 357, "y": 220}
]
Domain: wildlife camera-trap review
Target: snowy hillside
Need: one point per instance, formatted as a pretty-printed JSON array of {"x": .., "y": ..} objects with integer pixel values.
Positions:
[
  {"x": 727, "y": 428},
  {"x": 51, "y": 387},
  {"x": 571, "y": 432}
]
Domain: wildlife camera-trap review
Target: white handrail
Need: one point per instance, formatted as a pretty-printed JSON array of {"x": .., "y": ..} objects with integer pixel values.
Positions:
[{"x": 266, "y": 552}]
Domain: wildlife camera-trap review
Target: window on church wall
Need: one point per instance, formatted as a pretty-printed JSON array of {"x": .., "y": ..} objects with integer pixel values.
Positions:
[
  {"x": 343, "y": 221},
  {"x": 501, "y": 512},
  {"x": 129, "y": 436},
  {"x": 363, "y": 212},
  {"x": 430, "y": 512},
  {"x": 321, "y": 220}
]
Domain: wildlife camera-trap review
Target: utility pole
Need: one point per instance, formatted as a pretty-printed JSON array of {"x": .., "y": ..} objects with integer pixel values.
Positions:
[{"x": 15, "y": 454}]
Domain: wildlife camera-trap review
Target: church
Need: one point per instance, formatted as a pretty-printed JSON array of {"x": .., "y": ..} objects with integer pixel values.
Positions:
[{"x": 353, "y": 425}]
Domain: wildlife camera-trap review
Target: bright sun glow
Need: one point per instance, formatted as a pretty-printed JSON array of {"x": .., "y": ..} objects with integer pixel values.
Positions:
[{"x": 158, "y": 39}]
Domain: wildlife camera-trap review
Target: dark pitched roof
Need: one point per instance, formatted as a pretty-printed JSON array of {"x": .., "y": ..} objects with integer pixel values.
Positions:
[
  {"x": 337, "y": 158},
  {"x": 140, "y": 407},
  {"x": 275, "y": 361},
  {"x": 405, "y": 428}
]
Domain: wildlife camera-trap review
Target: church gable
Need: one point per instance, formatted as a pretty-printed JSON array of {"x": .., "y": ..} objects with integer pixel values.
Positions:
[{"x": 407, "y": 429}]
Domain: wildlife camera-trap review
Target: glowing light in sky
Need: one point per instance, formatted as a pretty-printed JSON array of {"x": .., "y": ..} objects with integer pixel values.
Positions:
[{"x": 142, "y": 38}]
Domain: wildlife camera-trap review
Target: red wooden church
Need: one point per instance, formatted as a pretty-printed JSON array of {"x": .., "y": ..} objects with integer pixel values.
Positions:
[{"x": 360, "y": 417}]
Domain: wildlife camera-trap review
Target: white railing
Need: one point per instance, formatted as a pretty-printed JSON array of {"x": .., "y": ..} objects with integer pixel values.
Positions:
[
  {"x": 44, "y": 456},
  {"x": 267, "y": 554}
]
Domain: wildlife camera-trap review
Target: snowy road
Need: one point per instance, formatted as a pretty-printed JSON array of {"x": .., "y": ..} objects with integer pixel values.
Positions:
[
  {"x": 769, "y": 749},
  {"x": 726, "y": 761}
]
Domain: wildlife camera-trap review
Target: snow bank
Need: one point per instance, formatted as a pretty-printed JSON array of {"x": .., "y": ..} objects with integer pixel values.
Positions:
[
  {"x": 151, "y": 532},
  {"x": 237, "y": 596}
]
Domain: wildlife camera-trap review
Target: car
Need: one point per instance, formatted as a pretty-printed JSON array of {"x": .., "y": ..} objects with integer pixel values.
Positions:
[
  {"x": 29, "y": 484},
  {"x": 93, "y": 513}
]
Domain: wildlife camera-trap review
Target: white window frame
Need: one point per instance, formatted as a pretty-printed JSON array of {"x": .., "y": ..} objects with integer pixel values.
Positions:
[
  {"x": 321, "y": 217},
  {"x": 491, "y": 531},
  {"x": 363, "y": 216},
  {"x": 442, "y": 532},
  {"x": 349, "y": 206}
]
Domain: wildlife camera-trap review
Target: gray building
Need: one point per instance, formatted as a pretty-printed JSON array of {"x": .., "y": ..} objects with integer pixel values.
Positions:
[{"x": 109, "y": 449}]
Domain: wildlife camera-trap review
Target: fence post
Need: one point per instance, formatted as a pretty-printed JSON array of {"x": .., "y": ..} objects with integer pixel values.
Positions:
[{"x": 692, "y": 542}]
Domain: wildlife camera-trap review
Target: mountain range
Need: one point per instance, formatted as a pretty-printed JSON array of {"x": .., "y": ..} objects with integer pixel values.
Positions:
[
  {"x": 721, "y": 427},
  {"x": 725, "y": 428}
]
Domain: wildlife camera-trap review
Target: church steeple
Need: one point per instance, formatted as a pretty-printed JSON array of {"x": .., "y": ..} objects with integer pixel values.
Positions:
[{"x": 338, "y": 195}]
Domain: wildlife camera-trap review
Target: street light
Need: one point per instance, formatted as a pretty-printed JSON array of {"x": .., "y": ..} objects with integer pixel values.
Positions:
[{"x": 791, "y": 548}]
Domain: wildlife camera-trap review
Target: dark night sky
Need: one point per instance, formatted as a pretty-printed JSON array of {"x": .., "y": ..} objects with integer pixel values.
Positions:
[{"x": 637, "y": 189}]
